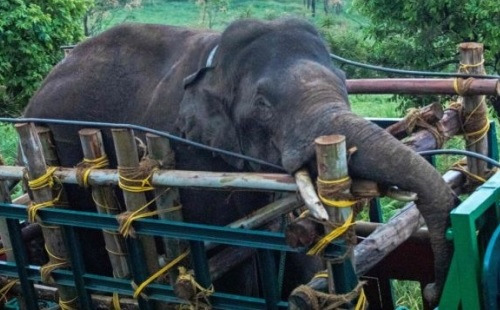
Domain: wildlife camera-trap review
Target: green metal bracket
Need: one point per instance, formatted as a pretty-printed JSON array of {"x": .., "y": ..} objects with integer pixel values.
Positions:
[{"x": 463, "y": 285}]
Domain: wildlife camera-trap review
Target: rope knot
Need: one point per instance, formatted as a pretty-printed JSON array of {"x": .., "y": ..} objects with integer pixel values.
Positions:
[
  {"x": 325, "y": 301},
  {"x": 191, "y": 291},
  {"x": 138, "y": 179},
  {"x": 46, "y": 180},
  {"x": 84, "y": 168}
]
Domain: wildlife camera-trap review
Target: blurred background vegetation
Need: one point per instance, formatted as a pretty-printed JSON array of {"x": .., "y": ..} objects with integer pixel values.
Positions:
[{"x": 416, "y": 35}]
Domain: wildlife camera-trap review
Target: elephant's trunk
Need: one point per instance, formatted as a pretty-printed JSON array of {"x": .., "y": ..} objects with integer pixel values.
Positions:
[{"x": 382, "y": 158}]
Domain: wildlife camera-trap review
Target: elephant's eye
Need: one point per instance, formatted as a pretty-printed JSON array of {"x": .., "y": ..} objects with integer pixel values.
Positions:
[{"x": 263, "y": 109}]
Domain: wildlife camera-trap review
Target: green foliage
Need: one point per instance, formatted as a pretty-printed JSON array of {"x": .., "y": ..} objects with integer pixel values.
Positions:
[
  {"x": 210, "y": 10},
  {"x": 424, "y": 34},
  {"x": 31, "y": 33},
  {"x": 8, "y": 143}
]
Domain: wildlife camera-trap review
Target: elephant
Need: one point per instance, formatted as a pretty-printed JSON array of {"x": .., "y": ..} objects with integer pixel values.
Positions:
[{"x": 265, "y": 89}]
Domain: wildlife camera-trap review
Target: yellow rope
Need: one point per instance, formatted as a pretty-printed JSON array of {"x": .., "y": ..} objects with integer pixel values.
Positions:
[
  {"x": 45, "y": 180},
  {"x": 4, "y": 291},
  {"x": 338, "y": 181},
  {"x": 116, "y": 253},
  {"x": 321, "y": 274},
  {"x": 321, "y": 245},
  {"x": 204, "y": 293},
  {"x": 91, "y": 164},
  {"x": 4, "y": 251},
  {"x": 139, "y": 288},
  {"x": 126, "y": 219},
  {"x": 361, "y": 304},
  {"x": 342, "y": 203},
  {"x": 46, "y": 269},
  {"x": 143, "y": 185},
  {"x": 66, "y": 304},
  {"x": 465, "y": 67},
  {"x": 458, "y": 166},
  {"x": 116, "y": 302}
]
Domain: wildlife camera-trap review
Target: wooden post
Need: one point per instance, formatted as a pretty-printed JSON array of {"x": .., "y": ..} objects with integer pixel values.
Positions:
[
  {"x": 35, "y": 162},
  {"x": 126, "y": 155},
  {"x": 471, "y": 61},
  {"x": 159, "y": 149},
  {"x": 4, "y": 232},
  {"x": 331, "y": 159},
  {"x": 430, "y": 114},
  {"x": 103, "y": 196}
]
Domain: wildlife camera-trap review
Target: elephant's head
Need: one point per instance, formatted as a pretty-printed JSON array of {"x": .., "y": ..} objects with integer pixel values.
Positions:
[{"x": 272, "y": 90}]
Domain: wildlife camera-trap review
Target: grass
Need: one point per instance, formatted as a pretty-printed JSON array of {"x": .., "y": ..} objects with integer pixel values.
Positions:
[{"x": 8, "y": 142}]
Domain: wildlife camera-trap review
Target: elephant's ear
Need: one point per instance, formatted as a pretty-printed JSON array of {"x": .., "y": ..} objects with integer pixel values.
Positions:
[{"x": 203, "y": 117}]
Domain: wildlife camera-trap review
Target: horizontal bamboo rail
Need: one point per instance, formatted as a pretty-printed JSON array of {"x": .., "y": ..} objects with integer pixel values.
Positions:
[
  {"x": 421, "y": 86},
  {"x": 177, "y": 178}
]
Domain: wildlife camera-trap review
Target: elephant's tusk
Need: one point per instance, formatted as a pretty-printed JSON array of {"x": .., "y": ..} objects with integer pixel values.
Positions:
[
  {"x": 401, "y": 195},
  {"x": 308, "y": 194}
]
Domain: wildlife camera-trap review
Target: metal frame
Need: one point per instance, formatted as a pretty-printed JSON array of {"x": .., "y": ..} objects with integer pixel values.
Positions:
[{"x": 473, "y": 214}]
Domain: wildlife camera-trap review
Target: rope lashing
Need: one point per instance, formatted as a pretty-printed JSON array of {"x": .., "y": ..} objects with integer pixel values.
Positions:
[
  {"x": 116, "y": 302},
  {"x": 334, "y": 188},
  {"x": 462, "y": 86},
  {"x": 137, "y": 179},
  {"x": 67, "y": 304},
  {"x": 476, "y": 123},
  {"x": 43, "y": 181},
  {"x": 459, "y": 166},
  {"x": 86, "y": 166},
  {"x": 200, "y": 291},
  {"x": 337, "y": 232},
  {"x": 139, "y": 288},
  {"x": 4, "y": 291},
  {"x": 55, "y": 262},
  {"x": 326, "y": 301},
  {"x": 465, "y": 67},
  {"x": 127, "y": 218},
  {"x": 414, "y": 119},
  {"x": 4, "y": 251}
]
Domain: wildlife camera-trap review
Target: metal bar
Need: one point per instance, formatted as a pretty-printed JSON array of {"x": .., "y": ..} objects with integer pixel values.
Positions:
[
  {"x": 268, "y": 278},
  {"x": 139, "y": 269},
  {"x": 375, "y": 211},
  {"x": 176, "y": 178},
  {"x": 29, "y": 295},
  {"x": 200, "y": 263},
  {"x": 77, "y": 266},
  {"x": 156, "y": 291},
  {"x": 421, "y": 86},
  {"x": 155, "y": 227}
]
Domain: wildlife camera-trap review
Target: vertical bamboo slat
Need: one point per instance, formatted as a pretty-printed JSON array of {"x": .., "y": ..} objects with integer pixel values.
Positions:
[
  {"x": 103, "y": 196},
  {"x": 471, "y": 60},
  {"x": 159, "y": 149},
  {"x": 32, "y": 151},
  {"x": 126, "y": 155}
]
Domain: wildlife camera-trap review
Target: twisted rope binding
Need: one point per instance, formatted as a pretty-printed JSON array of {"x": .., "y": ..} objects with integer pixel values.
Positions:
[
  {"x": 86, "y": 166},
  {"x": 46, "y": 180},
  {"x": 59, "y": 262},
  {"x": 326, "y": 301},
  {"x": 4, "y": 291},
  {"x": 138, "y": 179},
  {"x": 200, "y": 291},
  {"x": 116, "y": 302},
  {"x": 67, "y": 304}
]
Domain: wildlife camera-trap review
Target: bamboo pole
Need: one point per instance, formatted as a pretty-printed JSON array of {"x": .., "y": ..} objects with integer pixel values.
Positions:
[
  {"x": 168, "y": 202},
  {"x": 176, "y": 178},
  {"x": 4, "y": 232},
  {"x": 103, "y": 196},
  {"x": 331, "y": 157},
  {"x": 471, "y": 61},
  {"x": 126, "y": 155},
  {"x": 421, "y": 86},
  {"x": 33, "y": 156}
]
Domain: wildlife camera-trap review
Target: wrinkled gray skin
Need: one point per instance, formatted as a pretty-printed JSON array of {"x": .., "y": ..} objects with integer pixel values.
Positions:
[{"x": 272, "y": 90}]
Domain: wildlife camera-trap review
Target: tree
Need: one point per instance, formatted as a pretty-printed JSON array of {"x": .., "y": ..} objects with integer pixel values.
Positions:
[
  {"x": 425, "y": 34},
  {"x": 31, "y": 33}
]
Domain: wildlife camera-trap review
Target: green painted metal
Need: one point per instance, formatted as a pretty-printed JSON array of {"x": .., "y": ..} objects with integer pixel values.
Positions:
[
  {"x": 463, "y": 286},
  {"x": 491, "y": 272},
  {"x": 29, "y": 296}
]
